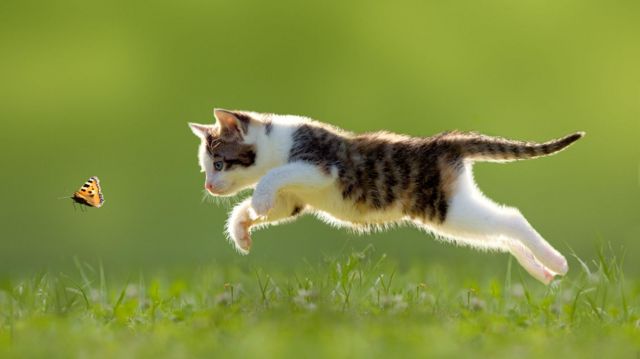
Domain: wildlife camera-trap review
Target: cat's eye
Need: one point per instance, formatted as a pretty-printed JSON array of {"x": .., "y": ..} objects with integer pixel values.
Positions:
[{"x": 218, "y": 165}]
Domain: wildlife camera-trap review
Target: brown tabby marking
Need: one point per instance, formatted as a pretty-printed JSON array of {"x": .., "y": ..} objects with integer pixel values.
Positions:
[
  {"x": 231, "y": 152},
  {"x": 379, "y": 170},
  {"x": 268, "y": 126},
  {"x": 483, "y": 147},
  {"x": 297, "y": 210}
]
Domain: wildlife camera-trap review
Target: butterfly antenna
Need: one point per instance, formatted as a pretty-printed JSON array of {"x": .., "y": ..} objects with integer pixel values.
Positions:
[{"x": 68, "y": 197}]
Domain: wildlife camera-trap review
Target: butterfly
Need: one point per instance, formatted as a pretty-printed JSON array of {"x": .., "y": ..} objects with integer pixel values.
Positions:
[{"x": 90, "y": 194}]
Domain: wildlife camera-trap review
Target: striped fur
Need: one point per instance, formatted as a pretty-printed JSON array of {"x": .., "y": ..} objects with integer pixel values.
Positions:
[
  {"x": 496, "y": 149},
  {"x": 379, "y": 170}
]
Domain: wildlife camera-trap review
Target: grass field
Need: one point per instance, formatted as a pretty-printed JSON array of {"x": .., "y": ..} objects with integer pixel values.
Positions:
[{"x": 356, "y": 305}]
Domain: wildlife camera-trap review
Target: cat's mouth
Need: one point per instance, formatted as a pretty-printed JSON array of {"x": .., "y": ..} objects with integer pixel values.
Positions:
[
  {"x": 215, "y": 191},
  {"x": 220, "y": 190}
]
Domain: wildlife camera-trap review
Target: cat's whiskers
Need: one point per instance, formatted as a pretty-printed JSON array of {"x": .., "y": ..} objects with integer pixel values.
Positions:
[{"x": 225, "y": 201}]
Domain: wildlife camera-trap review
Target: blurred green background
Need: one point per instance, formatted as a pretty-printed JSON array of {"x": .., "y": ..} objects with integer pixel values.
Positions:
[{"x": 106, "y": 89}]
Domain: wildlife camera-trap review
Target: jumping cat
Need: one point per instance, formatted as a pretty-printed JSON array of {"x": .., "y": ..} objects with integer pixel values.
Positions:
[{"x": 368, "y": 181}]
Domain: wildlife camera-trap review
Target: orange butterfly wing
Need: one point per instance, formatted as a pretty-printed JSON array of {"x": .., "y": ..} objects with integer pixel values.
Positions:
[{"x": 90, "y": 194}]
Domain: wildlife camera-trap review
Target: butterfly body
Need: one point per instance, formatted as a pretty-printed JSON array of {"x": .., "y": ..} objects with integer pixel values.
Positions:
[{"x": 90, "y": 194}]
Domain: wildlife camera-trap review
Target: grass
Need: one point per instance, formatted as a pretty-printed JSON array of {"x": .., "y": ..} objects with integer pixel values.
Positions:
[{"x": 358, "y": 305}]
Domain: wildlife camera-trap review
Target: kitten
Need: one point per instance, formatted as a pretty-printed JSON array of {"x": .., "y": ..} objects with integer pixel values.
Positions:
[{"x": 368, "y": 181}]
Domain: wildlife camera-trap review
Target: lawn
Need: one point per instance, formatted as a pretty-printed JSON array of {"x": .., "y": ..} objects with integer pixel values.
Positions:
[{"x": 355, "y": 305}]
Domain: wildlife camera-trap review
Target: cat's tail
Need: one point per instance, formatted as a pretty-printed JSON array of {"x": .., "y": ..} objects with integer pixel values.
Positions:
[{"x": 496, "y": 149}]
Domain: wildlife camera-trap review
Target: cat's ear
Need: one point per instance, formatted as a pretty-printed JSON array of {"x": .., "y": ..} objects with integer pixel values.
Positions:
[
  {"x": 232, "y": 124},
  {"x": 200, "y": 130}
]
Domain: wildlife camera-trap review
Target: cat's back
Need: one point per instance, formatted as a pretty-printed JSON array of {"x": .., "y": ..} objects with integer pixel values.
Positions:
[
  {"x": 382, "y": 170},
  {"x": 326, "y": 145}
]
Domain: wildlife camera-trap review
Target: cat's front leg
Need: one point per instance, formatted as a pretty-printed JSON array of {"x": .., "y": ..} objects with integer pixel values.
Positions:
[
  {"x": 302, "y": 175},
  {"x": 243, "y": 219}
]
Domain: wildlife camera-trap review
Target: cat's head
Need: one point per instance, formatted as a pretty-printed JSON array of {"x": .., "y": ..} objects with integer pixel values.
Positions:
[{"x": 227, "y": 152}]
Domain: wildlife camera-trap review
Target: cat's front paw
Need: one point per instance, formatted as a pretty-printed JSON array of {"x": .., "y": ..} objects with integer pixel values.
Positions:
[
  {"x": 241, "y": 236},
  {"x": 239, "y": 227},
  {"x": 262, "y": 204}
]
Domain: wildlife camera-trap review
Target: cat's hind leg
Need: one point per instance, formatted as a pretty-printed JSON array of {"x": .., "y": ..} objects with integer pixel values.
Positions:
[
  {"x": 488, "y": 241},
  {"x": 471, "y": 214},
  {"x": 529, "y": 262}
]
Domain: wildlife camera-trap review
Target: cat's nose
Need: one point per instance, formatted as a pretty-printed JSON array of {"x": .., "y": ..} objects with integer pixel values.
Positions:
[{"x": 208, "y": 187}]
